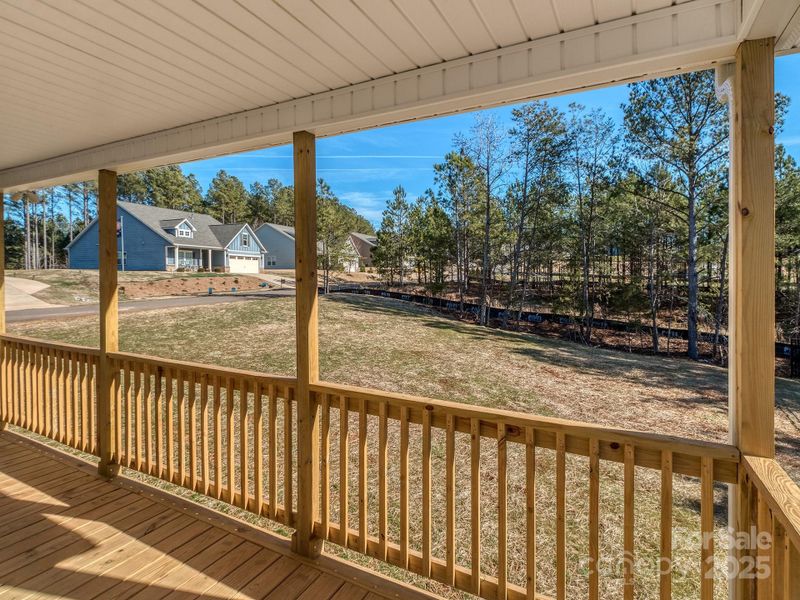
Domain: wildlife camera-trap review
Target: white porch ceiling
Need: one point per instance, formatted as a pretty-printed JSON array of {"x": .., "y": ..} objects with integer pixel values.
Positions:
[{"x": 127, "y": 84}]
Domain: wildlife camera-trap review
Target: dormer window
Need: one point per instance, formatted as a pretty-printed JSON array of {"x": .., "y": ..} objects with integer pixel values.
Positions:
[{"x": 183, "y": 230}]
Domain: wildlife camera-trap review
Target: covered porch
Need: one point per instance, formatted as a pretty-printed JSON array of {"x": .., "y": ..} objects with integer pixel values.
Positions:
[{"x": 331, "y": 463}]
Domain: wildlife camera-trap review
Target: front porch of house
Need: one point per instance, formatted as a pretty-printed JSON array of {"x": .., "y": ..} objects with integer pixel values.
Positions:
[
  {"x": 194, "y": 259},
  {"x": 587, "y": 509}
]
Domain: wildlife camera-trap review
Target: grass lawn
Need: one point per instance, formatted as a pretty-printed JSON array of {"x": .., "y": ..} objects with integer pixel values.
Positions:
[{"x": 396, "y": 346}]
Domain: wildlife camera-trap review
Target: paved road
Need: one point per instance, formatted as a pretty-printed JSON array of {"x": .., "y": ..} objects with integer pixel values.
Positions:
[{"x": 83, "y": 310}]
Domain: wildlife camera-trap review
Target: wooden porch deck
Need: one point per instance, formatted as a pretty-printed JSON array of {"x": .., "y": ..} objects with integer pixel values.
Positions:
[{"x": 67, "y": 533}]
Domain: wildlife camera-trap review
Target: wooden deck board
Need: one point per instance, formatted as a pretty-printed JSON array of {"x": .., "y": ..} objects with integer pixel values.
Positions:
[{"x": 68, "y": 534}]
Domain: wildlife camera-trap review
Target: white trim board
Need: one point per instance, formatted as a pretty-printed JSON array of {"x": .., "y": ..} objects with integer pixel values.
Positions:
[{"x": 691, "y": 35}]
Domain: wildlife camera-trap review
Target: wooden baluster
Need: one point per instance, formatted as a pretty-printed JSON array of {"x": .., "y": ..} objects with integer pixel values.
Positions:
[
  {"x": 193, "y": 431},
  {"x": 76, "y": 397},
  {"x": 16, "y": 387},
  {"x": 764, "y": 585},
  {"x": 362, "y": 477},
  {"x": 665, "y": 563},
  {"x": 159, "y": 398},
  {"x": 475, "y": 497},
  {"x": 530, "y": 512},
  {"x": 204, "y": 432},
  {"x": 36, "y": 370},
  {"x": 324, "y": 463},
  {"x": 272, "y": 452},
  {"x": 170, "y": 379},
  {"x": 229, "y": 423},
  {"x": 45, "y": 375},
  {"x": 561, "y": 517},
  {"x": 258, "y": 448},
  {"x": 85, "y": 434},
  {"x": 594, "y": 519},
  {"x": 118, "y": 446},
  {"x": 426, "y": 491},
  {"x": 450, "y": 500},
  {"x": 628, "y": 521},
  {"x": 383, "y": 495},
  {"x": 4, "y": 396},
  {"x": 217, "y": 437},
  {"x": 62, "y": 401},
  {"x": 148, "y": 418},
  {"x": 137, "y": 394},
  {"x": 47, "y": 388},
  {"x": 26, "y": 357},
  {"x": 404, "y": 487},
  {"x": 707, "y": 528},
  {"x": 780, "y": 550},
  {"x": 138, "y": 415},
  {"x": 34, "y": 399},
  {"x": 129, "y": 417},
  {"x": 181, "y": 389},
  {"x": 344, "y": 462},
  {"x": 792, "y": 573},
  {"x": 288, "y": 453},
  {"x": 91, "y": 387},
  {"x": 244, "y": 450},
  {"x": 502, "y": 512}
]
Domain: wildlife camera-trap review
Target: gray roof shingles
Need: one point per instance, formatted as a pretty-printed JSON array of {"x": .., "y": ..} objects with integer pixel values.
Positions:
[{"x": 158, "y": 218}]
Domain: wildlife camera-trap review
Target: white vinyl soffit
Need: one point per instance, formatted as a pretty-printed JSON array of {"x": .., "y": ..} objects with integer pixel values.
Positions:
[{"x": 131, "y": 84}]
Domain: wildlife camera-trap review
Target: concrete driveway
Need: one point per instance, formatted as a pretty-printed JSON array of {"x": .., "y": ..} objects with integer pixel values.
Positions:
[{"x": 19, "y": 294}]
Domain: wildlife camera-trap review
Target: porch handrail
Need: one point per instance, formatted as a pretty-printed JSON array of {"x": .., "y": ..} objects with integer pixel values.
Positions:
[
  {"x": 686, "y": 451},
  {"x": 772, "y": 507}
]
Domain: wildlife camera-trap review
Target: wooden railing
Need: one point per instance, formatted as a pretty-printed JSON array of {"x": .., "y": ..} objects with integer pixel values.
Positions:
[
  {"x": 487, "y": 501},
  {"x": 49, "y": 389},
  {"x": 770, "y": 516},
  {"x": 399, "y": 434},
  {"x": 206, "y": 428}
]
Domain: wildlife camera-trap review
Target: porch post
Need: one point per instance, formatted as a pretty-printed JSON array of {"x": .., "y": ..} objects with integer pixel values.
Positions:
[
  {"x": 751, "y": 322},
  {"x": 752, "y": 251},
  {"x": 305, "y": 210},
  {"x": 109, "y": 319},
  {"x": 3, "y": 400}
]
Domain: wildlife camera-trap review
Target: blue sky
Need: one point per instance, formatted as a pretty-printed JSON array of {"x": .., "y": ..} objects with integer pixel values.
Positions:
[{"x": 364, "y": 167}]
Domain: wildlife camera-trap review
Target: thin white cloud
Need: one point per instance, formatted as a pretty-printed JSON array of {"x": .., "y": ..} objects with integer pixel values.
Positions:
[
  {"x": 790, "y": 141},
  {"x": 348, "y": 156}
]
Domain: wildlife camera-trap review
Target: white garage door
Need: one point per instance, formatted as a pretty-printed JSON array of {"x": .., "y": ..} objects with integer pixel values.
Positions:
[{"x": 243, "y": 264}]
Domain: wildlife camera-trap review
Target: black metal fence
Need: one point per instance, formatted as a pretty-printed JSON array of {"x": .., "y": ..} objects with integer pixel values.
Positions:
[{"x": 789, "y": 351}]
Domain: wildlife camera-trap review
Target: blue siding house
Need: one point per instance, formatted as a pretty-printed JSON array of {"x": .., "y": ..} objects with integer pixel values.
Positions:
[{"x": 161, "y": 239}]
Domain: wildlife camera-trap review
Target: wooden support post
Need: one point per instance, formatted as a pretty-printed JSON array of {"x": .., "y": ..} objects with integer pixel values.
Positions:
[
  {"x": 305, "y": 210},
  {"x": 109, "y": 319},
  {"x": 752, "y": 255},
  {"x": 3, "y": 401},
  {"x": 751, "y": 324}
]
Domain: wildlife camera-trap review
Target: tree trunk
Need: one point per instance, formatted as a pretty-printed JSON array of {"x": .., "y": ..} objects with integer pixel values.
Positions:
[{"x": 691, "y": 266}]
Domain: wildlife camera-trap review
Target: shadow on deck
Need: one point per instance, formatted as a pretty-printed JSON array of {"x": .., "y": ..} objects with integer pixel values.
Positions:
[{"x": 66, "y": 532}]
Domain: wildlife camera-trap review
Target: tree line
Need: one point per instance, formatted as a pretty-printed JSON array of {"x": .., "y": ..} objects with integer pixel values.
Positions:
[
  {"x": 568, "y": 210},
  {"x": 41, "y": 223}
]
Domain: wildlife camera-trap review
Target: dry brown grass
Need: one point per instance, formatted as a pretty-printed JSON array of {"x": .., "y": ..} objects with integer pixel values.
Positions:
[{"x": 397, "y": 347}]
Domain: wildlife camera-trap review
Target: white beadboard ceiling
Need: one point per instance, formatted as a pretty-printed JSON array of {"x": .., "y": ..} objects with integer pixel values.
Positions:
[{"x": 130, "y": 83}]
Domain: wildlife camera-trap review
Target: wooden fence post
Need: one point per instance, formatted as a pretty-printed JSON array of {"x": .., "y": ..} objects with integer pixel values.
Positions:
[
  {"x": 305, "y": 206},
  {"x": 751, "y": 322},
  {"x": 109, "y": 319}
]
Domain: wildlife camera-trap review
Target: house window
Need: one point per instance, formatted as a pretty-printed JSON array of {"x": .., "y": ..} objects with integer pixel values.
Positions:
[
  {"x": 245, "y": 239},
  {"x": 184, "y": 231},
  {"x": 122, "y": 259}
]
